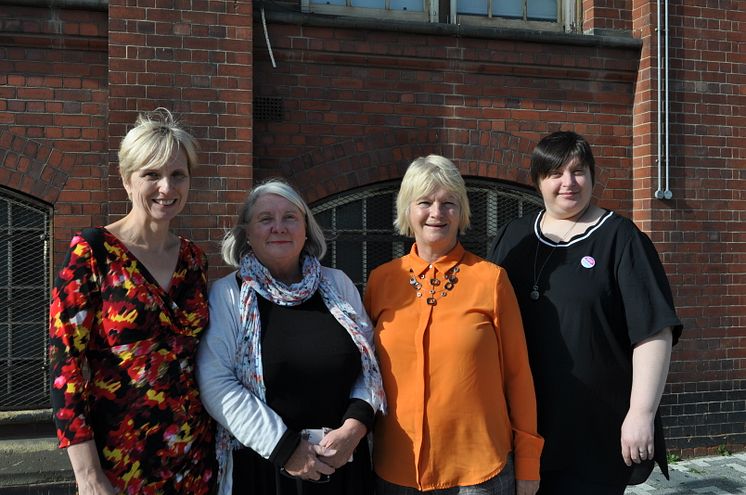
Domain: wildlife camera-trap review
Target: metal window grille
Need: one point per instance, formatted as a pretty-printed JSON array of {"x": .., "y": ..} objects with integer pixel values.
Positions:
[
  {"x": 24, "y": 302},
  {"x": 360, "y": 232}
]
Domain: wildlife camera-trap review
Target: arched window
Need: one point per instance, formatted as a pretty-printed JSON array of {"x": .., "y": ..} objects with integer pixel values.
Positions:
[
  {"x": 359, "y": 223},
  {"x": 24, "y": 301}
]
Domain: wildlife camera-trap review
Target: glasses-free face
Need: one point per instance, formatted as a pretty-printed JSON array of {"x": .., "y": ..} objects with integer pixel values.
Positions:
[
  {"x": 277, "y": 233},
  {"x": 567, "y": 191},
  {"x": 160, "y": 193},
  {"x": 434, "y": 218}
]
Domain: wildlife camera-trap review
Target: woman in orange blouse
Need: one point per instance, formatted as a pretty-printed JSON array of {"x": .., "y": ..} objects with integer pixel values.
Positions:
[{"x": 462, "y": 411}]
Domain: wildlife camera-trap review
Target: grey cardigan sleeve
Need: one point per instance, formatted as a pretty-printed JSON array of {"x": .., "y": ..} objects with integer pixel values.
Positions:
[{"x": 250, "y": 420}]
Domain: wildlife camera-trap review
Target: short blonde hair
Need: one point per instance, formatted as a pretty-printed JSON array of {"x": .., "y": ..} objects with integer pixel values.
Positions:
[
  {"x": 423, "y": 176},
  {"x": 235, "y": 247},
  {"x": 153, "y": 141}
]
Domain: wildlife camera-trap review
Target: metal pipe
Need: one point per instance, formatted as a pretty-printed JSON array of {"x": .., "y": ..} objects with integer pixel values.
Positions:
[
  {"x": 667, "y": 194},
  {"x": 659, "y": 191},
  {"x": 663, "y": 113}
]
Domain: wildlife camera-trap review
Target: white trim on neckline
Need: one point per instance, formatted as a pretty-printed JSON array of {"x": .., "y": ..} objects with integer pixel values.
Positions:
[{"x": 574, "y": 240}]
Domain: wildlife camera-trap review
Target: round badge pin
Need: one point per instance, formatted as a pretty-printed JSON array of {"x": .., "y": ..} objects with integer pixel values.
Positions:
[{"x": 588, "y": 262}]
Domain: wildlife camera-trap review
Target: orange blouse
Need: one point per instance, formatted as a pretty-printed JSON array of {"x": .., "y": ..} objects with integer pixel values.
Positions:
[{"x": 456, "y": 374}]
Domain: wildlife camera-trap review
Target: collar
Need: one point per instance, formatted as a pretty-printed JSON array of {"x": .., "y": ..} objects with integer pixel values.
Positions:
[{"x": 442, "y": 264}]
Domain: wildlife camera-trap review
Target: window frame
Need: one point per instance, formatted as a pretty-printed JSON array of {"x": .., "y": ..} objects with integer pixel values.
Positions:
[
  {"x": 565, "y": 12},
  {"x": 568, "y": 15},
  {"x": 428, "y": 14}
]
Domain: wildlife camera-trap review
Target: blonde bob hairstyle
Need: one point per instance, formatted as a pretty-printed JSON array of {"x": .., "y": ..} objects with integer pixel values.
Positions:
[
  {"x": 235, "y": 245},
  {"x": 153, "y": 141},
  {"x": 423, "y": 176}
]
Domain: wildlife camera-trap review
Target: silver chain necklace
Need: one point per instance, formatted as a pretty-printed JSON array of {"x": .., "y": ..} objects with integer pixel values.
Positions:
[{"x": 535, "y": 294}]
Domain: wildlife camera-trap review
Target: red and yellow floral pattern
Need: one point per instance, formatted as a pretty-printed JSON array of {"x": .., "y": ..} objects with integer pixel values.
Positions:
[{"x": 122, "y": 356}]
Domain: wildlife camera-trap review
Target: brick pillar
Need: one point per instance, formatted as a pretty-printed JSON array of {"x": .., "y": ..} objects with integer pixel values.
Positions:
[
  {"x": 644, "y": 119},
  {"x": 606, "y": 16},
  {"x": 194, "y": 58}
]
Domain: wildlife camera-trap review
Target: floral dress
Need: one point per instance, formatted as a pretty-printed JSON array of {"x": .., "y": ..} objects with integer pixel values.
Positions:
[{"x": 122, "y": 356}]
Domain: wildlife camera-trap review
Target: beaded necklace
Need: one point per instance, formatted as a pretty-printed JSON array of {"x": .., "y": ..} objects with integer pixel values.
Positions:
[{"x": 435, "y": 290}]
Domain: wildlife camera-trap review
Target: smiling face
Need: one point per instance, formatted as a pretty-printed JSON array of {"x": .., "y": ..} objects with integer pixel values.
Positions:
[
  {"x": 159, "y": 194},
  {"x": 567, "y": 191},
  {"x": 277, "y": 234},
  {"x": 434, "y": 218}
]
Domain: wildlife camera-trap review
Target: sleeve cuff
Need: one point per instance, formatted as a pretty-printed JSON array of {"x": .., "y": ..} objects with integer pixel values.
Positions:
[
  {"x": 284, "y": 448},
  {"x": 362, "y": 411},
  {"x": 526, "y": 468}
]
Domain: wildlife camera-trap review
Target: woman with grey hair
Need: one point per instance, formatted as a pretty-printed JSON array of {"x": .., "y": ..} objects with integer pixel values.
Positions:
[
  {"x": 288, "y": 367},
  {"x": 453, "y": 355}
]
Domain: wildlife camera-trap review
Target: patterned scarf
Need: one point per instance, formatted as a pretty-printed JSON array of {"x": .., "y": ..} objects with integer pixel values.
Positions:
[{"x": 247, "y": 361}]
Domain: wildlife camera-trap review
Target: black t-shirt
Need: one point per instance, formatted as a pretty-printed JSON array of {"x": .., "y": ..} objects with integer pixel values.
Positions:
[{"x": 600, "y": 293}]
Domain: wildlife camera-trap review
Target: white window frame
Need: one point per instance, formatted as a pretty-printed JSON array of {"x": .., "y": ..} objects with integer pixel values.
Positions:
[{"x": 428, "y": 14}]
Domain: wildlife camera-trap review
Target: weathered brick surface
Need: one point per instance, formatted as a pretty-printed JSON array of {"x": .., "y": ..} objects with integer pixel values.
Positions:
[{"x": 360, "y": 102}]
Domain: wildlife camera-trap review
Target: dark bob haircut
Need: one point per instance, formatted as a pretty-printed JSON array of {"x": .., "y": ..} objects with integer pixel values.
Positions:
[{"x": 556, "y": 150}]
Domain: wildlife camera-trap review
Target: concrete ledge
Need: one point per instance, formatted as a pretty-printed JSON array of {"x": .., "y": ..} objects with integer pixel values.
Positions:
[
  {"x": 25, "y": 417},
  {"x": 33, "y": 461}
]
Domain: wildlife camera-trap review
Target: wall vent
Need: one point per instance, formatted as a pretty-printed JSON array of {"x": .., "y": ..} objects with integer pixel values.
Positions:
[{"x": 268, "y": 108}]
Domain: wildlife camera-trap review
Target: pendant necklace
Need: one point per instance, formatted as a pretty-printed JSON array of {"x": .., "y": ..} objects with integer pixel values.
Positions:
[
  {"x": 535, "y": 294},
  {"x": 450, "y": 282}
]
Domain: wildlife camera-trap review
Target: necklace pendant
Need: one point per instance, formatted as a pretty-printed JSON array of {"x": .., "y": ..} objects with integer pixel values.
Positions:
[
  {"x": 432, "y": 301},
  {"x": 535, "y": 293}
]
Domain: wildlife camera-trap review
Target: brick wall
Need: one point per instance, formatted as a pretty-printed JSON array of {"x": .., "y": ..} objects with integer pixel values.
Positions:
[
  {"x": 359, "y": 102},
  {"x": 196, "y": 60},
  {"x": 702, "y": 229},
  {"x": 609, "y": 15},
  {"x": 53, "y": 108}
]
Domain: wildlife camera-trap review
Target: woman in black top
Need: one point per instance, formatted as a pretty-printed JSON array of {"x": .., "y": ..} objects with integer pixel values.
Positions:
[
  {"x": 600, "y": 322},
  {"x": 287, "y": 367}
]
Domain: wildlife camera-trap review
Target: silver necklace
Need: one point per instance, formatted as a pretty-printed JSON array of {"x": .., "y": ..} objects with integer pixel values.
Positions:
[{"x": 535, "y": 294}]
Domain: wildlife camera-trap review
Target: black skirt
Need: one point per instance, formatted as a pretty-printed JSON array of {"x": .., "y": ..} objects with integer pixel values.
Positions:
[{"x": 255, "y": 475}]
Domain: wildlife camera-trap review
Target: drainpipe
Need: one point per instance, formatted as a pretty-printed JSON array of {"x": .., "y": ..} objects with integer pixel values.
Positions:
[{"x": 663, "y": 129}]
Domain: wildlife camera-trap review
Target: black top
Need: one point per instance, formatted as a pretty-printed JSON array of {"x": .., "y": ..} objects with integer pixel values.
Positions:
[
  {"x": 310, "y": 365},
  {"x": 600, "y": 293}
]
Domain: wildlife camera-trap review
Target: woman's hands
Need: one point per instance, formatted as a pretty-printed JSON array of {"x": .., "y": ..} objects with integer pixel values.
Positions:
[
  {"x": 306, "y": 462},
  {"x": 637, "y": 437},
  {"x": 343, "y": 441},
  {"x": 89, "y": 476},
  {"x": 312, "y": 462},
  {"x": 650, "y": 360}
]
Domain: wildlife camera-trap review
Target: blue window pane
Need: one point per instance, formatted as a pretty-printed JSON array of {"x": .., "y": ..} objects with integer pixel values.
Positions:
[
  {"x": 408, "y": 5},
  {"x": 369, "y": 4},
  {"x": 472, "y": 7},
  {"x": 545, "y": 10},
  {"x": 507, "y": 8}
]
